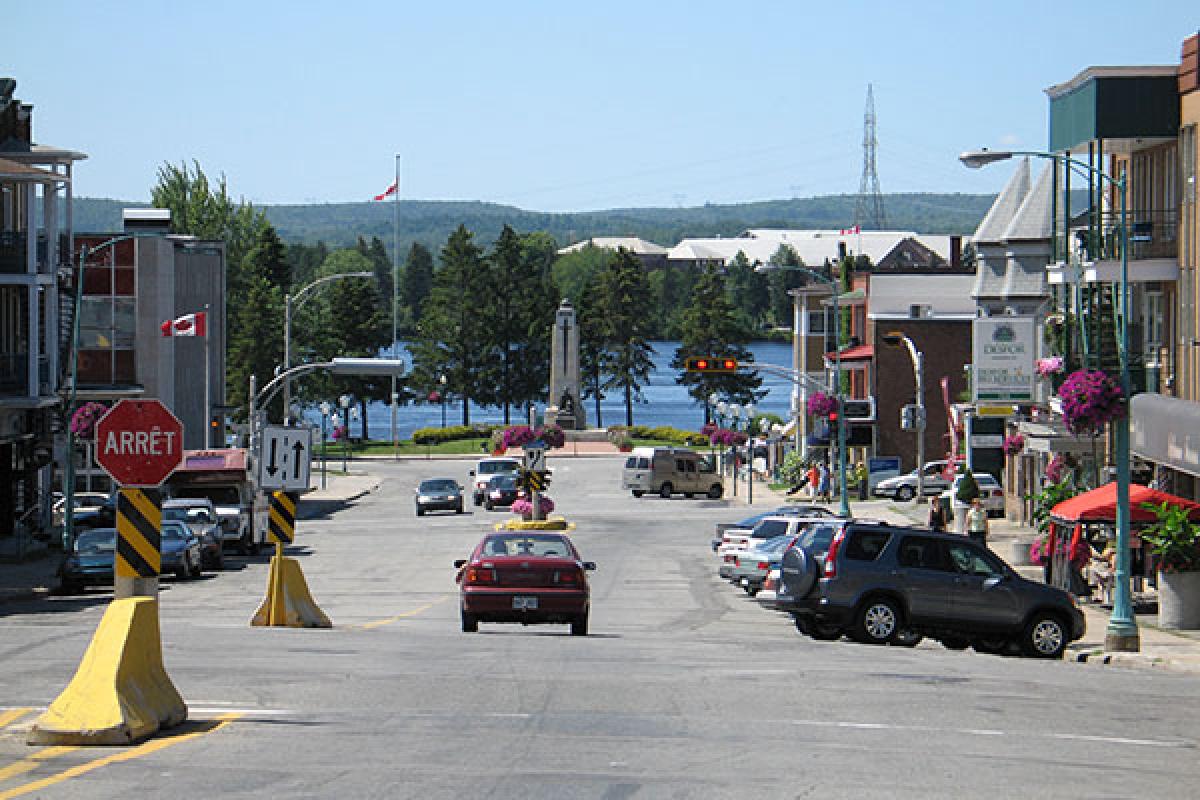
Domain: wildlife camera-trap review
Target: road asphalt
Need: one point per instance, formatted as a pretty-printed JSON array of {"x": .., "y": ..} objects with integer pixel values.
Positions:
[{"x": 1177, "y": 651}]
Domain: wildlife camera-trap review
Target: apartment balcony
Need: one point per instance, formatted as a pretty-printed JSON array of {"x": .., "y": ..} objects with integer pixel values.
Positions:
[
  {"x": 14, "y": 252},
  {"x": 14, "y": 376},
  {"x": 1153, "y": 248}
]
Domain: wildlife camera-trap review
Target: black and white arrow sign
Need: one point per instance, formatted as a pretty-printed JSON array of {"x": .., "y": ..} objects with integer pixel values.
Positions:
[{"x": 285, "y": 458}]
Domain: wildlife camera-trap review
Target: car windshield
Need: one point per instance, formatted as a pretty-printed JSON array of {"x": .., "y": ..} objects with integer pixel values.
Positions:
[
  {"x": 173, "y": 532},
  {"x": 442, "y": 485},
  {"x": 503, "y": 482},
  {"x": 492, "y": 467},
  {"x": 101, "y": 540},
  {"x": 527, "y": 545},
  {"x": 220, "y": 495}
]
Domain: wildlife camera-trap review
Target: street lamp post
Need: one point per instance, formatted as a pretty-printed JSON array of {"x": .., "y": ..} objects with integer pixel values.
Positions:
[
  {"x": 344, "y": 401},
  {"x": 837, "y": 360},
  {"x": 291, "y": 303},
  {"x": 1122, "y": 632},
  {"x": 735, "y": 412},
  {"x": 442, "y": 396},
  {"x": 325, "y": 409},
  {"x": 748, "y": 414},
  {"x": 895, "y": 339}
]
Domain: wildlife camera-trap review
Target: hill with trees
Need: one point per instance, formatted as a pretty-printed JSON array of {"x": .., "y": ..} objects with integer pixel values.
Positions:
[{"x": 431, "y": 223}]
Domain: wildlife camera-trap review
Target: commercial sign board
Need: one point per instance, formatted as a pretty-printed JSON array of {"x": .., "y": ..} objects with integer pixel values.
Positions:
[{"x": 1003, "y": 356}]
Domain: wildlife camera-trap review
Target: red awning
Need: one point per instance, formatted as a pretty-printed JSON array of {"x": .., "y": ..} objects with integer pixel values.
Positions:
[
  {"x": 863, "y": 352},
  {"x": 1100, "y": 505}
]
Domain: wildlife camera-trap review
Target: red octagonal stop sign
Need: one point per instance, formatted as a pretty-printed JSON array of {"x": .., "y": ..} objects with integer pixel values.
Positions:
[{"x": 139, "y": 443}]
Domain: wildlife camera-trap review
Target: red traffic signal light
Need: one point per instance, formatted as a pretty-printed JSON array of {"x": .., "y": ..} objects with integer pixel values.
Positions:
[{"x": 711, "y": 364}]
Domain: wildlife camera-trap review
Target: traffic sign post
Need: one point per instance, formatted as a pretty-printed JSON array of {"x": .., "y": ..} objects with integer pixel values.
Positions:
[
  {"x": 139, "y": 443},
  {"x": 284, "y": 459},
  {"x": 121, "y": 692}
]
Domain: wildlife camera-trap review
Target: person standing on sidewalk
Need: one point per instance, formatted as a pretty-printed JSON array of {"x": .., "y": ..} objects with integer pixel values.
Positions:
[
  {"x": 977, "y": 522},
  {"x": 823, "y": 485},
  {"x": 937, "y": 514},
  {"x": 814, "y": 480},
  {"x": 863, "y": 477}
]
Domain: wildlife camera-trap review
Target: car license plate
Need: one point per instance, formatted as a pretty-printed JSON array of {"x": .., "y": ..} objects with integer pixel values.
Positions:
[{"x": 524, "y": 603}]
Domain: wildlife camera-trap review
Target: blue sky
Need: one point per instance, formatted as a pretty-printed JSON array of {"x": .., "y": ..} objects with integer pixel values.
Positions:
[{"x": 557, "y": 105}]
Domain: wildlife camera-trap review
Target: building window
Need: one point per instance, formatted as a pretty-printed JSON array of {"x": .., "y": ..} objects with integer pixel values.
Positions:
[
  {"x": 816, "y": 322},
  {"x": 108, "y": 320}
]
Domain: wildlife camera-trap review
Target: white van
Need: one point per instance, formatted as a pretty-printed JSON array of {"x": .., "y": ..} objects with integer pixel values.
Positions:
[
  {"x": 670, "y": 470},
  {"x": 486, "y": 469}
]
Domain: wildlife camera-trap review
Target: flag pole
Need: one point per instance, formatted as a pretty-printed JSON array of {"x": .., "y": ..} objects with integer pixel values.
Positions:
[
  {"x": 395, "y": 295},
  {"x": 207, "y": 384}
]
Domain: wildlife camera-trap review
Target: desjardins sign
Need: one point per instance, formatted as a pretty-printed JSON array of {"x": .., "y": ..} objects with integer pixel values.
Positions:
[{"x": 1003, "y": 353}]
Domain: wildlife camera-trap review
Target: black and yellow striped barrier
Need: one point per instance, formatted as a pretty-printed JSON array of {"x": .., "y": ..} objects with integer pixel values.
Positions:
[
  {"x": 288, "y": 602},
  {"x": 282, "y": 525},
  {"x": 139, "y": 533}
]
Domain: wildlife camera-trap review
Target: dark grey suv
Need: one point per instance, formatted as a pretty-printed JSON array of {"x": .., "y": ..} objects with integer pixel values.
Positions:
[{"x": 883, "y": 583}]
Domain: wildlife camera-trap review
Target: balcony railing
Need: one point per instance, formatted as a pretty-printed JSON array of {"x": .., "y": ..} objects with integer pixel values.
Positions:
[
  {"x": 1152, "y": 234},
  {"x": 14, "y": 250},
  {"x": 14, "y": 375}
]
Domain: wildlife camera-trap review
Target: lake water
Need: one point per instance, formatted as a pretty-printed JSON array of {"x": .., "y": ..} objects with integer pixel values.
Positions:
[{"x": 667, "y": 403}]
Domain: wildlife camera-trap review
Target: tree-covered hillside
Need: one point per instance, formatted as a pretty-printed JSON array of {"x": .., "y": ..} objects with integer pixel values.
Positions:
[{"x": 431, "y": 223}]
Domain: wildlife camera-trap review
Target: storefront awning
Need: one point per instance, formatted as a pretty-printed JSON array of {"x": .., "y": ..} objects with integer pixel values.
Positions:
[{"x": 1166, "y": 430}]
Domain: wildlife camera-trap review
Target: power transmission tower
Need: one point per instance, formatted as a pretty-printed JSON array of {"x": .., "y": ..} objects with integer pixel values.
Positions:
[{"x": 868, "y": 210}]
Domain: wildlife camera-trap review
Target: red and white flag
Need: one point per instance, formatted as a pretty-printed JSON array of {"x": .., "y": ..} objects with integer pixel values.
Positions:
[
  {"x": 187, "y": 325},
  {"x": 844, "y": 231},
  {"x": 388, "y": 192}
]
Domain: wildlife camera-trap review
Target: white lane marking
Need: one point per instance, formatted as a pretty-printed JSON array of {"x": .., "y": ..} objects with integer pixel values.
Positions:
[
  {"x": 221, "y": 708},
  {"x": 512, "y": 716},
  {"x": 821, "y": 723}
]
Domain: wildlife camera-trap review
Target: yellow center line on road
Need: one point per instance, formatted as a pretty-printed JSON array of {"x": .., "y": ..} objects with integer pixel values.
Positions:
[
  {"x": 33, "y": 762},
  {"x": 145, "y": 749},
  {"x": 366, "y": 626},
  {"x": 12, "y": 715}
]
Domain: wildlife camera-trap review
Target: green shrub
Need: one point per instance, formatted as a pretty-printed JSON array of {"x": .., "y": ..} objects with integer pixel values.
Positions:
[{"x": 430, "y": 436}]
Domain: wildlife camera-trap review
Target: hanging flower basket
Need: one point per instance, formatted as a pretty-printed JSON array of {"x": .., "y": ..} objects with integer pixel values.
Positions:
[
  {"x": 1013, "y": 444},
  {"x": 821, "y": 404},
  {"x": 1049, "y": 366},
  {"x": 522, "y": 435},
  {"x": 83, "y": 421},
  {"x": 1090, "y": 400}
]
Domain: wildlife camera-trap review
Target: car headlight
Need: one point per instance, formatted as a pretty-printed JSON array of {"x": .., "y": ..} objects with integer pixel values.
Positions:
[{"x": 423, "y": 498}]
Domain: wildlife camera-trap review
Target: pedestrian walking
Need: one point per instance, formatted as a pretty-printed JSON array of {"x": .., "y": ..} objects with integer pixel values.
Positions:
[
  {"x": 814, "y": 480},
  {"x": 823, "y": 483},
  {"x": 863, "y": 477},
  {"x": 937, "y": 514},
  {"x": 977, "y": 522}
]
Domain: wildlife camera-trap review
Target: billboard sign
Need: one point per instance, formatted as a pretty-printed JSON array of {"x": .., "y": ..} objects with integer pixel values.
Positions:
[{"x": 1003, "y": 356}]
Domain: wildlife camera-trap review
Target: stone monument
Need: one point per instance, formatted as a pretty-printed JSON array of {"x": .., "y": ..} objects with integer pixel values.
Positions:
[{"x": 564, "y": 407}]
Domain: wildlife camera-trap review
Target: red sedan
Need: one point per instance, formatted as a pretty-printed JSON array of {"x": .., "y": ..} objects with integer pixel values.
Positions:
[{"x": 526, "y": 577}]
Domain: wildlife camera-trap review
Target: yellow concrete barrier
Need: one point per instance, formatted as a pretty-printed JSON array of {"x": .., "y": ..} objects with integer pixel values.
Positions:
[
  {"x": 288, "y": 603},
  {"x": 120, "y": 693},
  {"x": 554, "y": 524}
]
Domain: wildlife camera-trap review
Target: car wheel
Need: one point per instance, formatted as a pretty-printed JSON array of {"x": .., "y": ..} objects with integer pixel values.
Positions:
[
  {"x": 488, "y": 506},
  {"x": 196, "y": 570},
  {"x": 420, "y": 511},
  {"x": 954, "y": 642},
  {"x": 636, "y": 492},
  {"x": 1045, "y": 637},
  {"x": 469, "y": 623},
  {"x": 220, "y": 563},
  {"x": 715, "y": 491},
  {"x": 252, "y": 546},
  {"x": 459, "y": 508},
  {"x": 751, "y": 590},
  {"x": 70, "y": 587},
  {"x": 688, "y": 495},
  {"x": 184, "y": 570},
  {"x": 877, "y": 621},
  {"x": 904, "y": 494},
  {"x": 824, "y": 632},
  {"x": 665, "y": 491},
  {"x": 579, "y": 625},
  {"x": 907, "y": 638}
]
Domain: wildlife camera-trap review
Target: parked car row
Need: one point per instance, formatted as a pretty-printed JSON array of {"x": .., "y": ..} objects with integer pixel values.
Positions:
[
  {"x": 880, "y": 583},
  {"x": 191, "y": 536}
]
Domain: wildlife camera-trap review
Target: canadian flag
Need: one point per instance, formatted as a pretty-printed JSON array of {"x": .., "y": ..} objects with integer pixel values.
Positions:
[
  {"x": 844, "y": 231},
  {"x": 187, "y": 325},
  {"x": 388, "y": 192}
]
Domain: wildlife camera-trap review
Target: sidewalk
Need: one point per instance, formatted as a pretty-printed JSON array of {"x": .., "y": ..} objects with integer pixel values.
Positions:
[
  {"x": 38, "y": 577},
  {"x": 1177, "y": 651}
]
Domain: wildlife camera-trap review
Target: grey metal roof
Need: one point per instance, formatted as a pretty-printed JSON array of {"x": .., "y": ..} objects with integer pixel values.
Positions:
[
  {"x": 635, "y": 245},
  {"x": 15, "y": 170},
  {"x": 1032, "y": 220},
  {"x": 1008, "y": 202}
]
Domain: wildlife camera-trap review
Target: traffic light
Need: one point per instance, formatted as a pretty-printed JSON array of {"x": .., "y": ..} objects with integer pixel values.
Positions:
[{"x": 711, "y": 364}]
